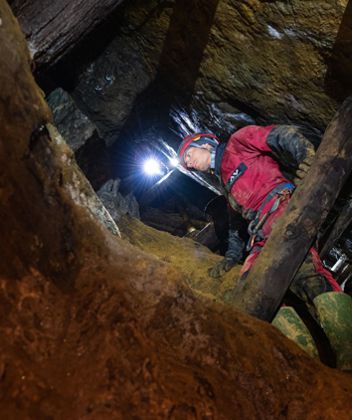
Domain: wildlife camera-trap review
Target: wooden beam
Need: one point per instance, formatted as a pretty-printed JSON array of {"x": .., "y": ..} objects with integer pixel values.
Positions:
[
  {"x": 261, "y": 293},
  {"x": 53, "y": 28}
]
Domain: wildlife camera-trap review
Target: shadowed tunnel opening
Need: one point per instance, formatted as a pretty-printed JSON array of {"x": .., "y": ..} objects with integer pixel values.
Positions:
[
  {"x": 143, "y": 332},
  {"x": 178, "y": 70}
]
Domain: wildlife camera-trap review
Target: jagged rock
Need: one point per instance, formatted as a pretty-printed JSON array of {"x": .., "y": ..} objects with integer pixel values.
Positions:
[
  {"x": 233, "y": 62},
  {"x": 78, "y": 187},
  {"x": 116, "y": 203},
  {"x": 76, "y": 129},
  {"x": 132, "y": 205},
  {"x": 73, "y": 125},
  {"x": 91, "y": 326},
  {"x": 108, "y": 87}
]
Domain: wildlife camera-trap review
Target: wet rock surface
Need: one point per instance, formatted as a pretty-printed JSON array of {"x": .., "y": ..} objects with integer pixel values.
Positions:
[
  {"x": 197, "y": 66},
  {"x": 73, "y": 125},
  {"x": 232, "y": 62},
  {"x": 93, "y": 327},
  {"x": 116, "y": 203}
]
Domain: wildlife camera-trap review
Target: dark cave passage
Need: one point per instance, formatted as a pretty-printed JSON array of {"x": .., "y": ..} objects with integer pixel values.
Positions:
[{"x": 125, "y": 294}]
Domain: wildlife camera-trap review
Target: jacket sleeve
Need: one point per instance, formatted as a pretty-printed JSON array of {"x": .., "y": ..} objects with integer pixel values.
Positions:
[{"x": 289, "y": 146}]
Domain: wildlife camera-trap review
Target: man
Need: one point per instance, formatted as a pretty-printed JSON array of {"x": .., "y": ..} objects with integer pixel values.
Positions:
[{"x": 251, "y": 169}]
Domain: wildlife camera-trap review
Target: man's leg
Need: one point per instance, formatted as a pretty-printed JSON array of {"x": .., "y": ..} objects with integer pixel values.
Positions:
[
  {"x": 328, "y": 304},
  {"x": 312, "y": 280}
]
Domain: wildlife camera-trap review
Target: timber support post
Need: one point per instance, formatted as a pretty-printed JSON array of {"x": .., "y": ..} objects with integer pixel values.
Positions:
[
  {"x": 53, "y": 28},
  {"x": 293, "y": 234}
]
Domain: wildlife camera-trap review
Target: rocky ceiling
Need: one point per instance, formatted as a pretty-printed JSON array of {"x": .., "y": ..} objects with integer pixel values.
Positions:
[
  {"x": 231, "y": 62},
  {"x": 156, "y": 70},
  {"x": 98, "y": 326}
]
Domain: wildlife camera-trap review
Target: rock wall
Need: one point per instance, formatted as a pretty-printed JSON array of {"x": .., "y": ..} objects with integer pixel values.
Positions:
[
  {"x": 93, "y": 327},
  {"x": 73, "y": 125},
  {"x": 231, "y": 62}
]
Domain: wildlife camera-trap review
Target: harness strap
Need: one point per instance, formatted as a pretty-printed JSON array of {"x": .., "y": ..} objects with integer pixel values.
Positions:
[
  {"x": 282, "y": 191},
  {"x": 279, "y": 189}
]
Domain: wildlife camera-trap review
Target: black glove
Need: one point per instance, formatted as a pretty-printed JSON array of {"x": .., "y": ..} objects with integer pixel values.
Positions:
[
  {"x": 232, "y": 256},
  {"x": 222, "y": 267},
  {"x": 304, "y": 167}
]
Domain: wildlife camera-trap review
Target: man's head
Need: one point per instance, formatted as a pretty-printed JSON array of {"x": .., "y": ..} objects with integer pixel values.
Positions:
[{"x": 195, "y": 151}]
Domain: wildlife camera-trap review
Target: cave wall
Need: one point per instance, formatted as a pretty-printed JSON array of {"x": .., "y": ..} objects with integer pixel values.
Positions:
[
  {"x": 197, "y": 65},
  {"x": 92, "y": 327},
  {"x": 231, "y": 62}
]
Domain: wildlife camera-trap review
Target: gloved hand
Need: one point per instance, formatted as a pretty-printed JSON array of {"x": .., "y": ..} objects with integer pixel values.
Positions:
[
  {"x": 222, "y": 267},
  {"x": 304, "y": 167}
]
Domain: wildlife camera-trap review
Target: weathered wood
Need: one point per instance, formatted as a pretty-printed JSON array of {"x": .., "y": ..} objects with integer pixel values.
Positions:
[
  {"x": 341, "y": 224},
  {"x": 127, "y": 332},
  {"x": 53, "y": 28},
  {"x": 263, "y": 290}
]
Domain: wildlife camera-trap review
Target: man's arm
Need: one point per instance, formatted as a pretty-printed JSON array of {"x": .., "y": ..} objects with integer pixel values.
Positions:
[
  {"x": 237, "y": 237},
  {"x": 291, "y": 148}
]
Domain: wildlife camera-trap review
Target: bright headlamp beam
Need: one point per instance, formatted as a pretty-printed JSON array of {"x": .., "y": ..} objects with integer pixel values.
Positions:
[
  {"x": 152, "y": 167},
  {"x": 174, "y": 162}
]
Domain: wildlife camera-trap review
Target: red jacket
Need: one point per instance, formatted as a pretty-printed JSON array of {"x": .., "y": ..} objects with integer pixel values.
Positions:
[{"x": 251, "y": 157}]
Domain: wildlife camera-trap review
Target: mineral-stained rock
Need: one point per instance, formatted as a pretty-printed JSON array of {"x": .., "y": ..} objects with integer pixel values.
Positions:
[
  {"x": 79, "y": 189},
  {"x": 188, "y": 257},
  {"x": 108, "y": 87},
  {"x": 73, "y": 125},
  {"x": 233, "y": 62},
  {"x": 116, "y": 203},
  {"x": 92, "y": 327}
]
